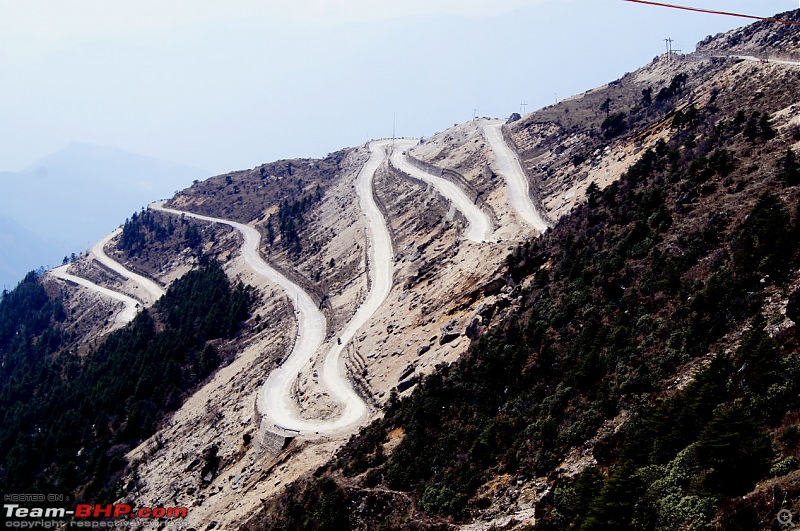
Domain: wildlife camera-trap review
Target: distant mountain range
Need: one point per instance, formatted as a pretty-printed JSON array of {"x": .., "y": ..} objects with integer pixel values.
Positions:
[{"x": 71, "y": 198}]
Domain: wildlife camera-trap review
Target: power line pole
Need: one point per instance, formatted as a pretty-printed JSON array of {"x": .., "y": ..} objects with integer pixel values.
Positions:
[
  {"x": 394, "y": 122},
  {"x": 522, "y": 107},
  {"x": 669, "y": 42}
]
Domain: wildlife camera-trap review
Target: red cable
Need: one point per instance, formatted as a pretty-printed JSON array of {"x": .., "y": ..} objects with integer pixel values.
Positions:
[{"x": 710, "y": 11}]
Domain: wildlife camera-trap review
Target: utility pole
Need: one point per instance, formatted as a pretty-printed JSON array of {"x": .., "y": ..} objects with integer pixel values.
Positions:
[
  {"x": 522, "y": 107},
  {"x": 474, "y": 114},
  {"x": 394, "y": 121},
  {"x": 669, "y": 42}
]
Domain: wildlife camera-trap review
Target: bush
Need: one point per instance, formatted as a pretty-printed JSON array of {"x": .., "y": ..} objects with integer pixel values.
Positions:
[
  {"x": 735, "y": 449},
  {"x": 614, "y": 125},
  {"x": 793, "y": 307},
  {"x": 441, "y": 499},
  {"x": 789, "y": 169},
  {"x": 783, "y": 467}
]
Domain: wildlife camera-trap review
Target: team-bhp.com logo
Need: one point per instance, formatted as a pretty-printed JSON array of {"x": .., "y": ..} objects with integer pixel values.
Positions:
[{"x": 83, "y": 515}]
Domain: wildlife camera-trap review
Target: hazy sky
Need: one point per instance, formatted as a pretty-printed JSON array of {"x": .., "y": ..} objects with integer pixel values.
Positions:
[{"x": 229, "y": 85}]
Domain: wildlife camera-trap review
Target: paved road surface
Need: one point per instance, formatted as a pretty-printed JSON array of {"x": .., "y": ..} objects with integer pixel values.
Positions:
[
  {"x": 276, "y": 395},
  {"x": 146, "y": 290},
  {"x": 380, "y": 275},
  {"x": 131, "y": 305},
  {"x": 480, "y": 226},
  {"x": 508, "y": 165}
]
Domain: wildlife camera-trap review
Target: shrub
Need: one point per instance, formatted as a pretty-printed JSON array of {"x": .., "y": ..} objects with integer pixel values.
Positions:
[{"x": 614, "y": 125}]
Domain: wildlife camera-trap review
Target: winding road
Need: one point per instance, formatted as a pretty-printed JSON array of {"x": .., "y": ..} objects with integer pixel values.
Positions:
[
  {"x": 149, "y": 293},
  {"x": 311, "y": 324},
  {"x": 480, "y": 226},
  {"x": 131, "y": 305},
  {"x": 508, "y": 165},
  {"x": 380, "y": 275},
  {"x": 277, "y": 403},
  {"x": 147, "y": 290}
]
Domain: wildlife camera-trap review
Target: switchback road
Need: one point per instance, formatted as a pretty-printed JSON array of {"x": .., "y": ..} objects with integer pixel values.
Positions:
[
  {"x": 277, "y": 402},
  {"x": 146, "y": 290},
  {"x": 480, "y": 226},
  {"x": 508, "y": 165},
  {"x": 131, "y": 305}
]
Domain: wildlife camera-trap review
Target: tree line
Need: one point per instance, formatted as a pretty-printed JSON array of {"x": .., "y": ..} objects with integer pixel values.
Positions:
[{"x": 67, "y": 421}]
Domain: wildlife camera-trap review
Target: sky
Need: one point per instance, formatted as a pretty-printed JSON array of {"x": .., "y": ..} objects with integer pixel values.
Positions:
[{"x": 229, "y": 85}]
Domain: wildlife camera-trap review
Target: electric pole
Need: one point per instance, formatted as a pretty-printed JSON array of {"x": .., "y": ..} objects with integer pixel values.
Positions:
[
  {"x": 522, "y": 107},
  {"x": 669, "y": 42}
]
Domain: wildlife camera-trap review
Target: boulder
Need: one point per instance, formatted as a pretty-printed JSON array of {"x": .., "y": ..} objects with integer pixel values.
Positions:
[
  {"x": 474, "y": 329},
  {"x": 405, "y": 384},
  {"x": 494, "y": 286},
  {"x": 408, "y": 371},
  {"x": 449, "y": 332}
]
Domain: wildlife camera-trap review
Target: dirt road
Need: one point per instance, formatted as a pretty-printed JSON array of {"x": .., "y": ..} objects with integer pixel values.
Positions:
[
  {"x": 146, "y": 290},
  {"x": 311, "y": 324},
  {"x": 380, "y": 275},
  {"x": 763, "y": 60}
]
